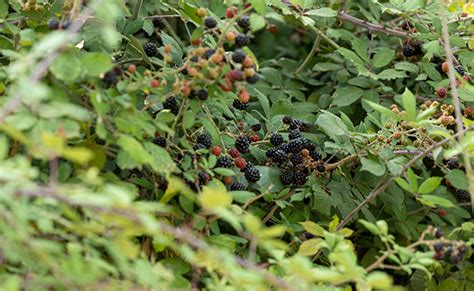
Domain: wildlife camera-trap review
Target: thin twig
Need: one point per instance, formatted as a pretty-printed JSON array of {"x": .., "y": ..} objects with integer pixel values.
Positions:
[
  {"x": 455, "y": 97},
  {"x": 372, "y": 26},
  {"x": 311, "y": 54}
]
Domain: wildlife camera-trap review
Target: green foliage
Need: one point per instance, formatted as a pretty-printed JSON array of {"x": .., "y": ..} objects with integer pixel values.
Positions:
[{"x": 119, "y": 167}]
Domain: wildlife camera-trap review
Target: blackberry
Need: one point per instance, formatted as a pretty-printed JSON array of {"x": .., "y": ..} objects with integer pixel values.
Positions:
[
  {"x": 238, "y": 56},
  {"x": 452, "y": 163},
  {"x": 294, "y": 134},
  {"x": 299, "y": 178},
  {"x": 287, "y": 120},
  {"x": 439, "y": 233},
  {"x": 296, "y": 145},
  {"x": 256, "y": 127},
  {"x": 110, "y": 78},
  {"x": 295, "y": 124},
  {"x": 203, "y": 178},
  {"x": 276, "y": 139},
  {"x": 320, "y": 167},
  {"x": 210, "y": 22},
  {"x": 410, "y": 50},
  {"x": 160, "y": 141},
  {"x": 237, "y": 186},
  {"x": 280, "y": 157},
  {"x": 286, "y": 178},
  {"x": 438, "y": 247},
  {"x": 194, "y": 59},
  {"x": 462, "y": 195},
  {"x": 204, "y": 139},
  {"x": 455, "y": 259},
  {"x": 208, "y": 53},
  {"x": 252, "y": 174},
  {"x": 244, "y": 22},
  {"x": 171, "y": 104},
  {"x": 198, "y": 146},
  {"x": 242, "y": 144},
  {"x": 241, "y": 40},
  {"x": 253, "y": 79},
  {"x": 284, "y": 147},
  {"x": 449, "y": 250},
  {"x": 460, "y": 70},
  {"x": 315, "y": 155},
  {"x": 309, "y": 145},
  {"x": 438, "y": 256},
  {"x": 270, "y": 153},
  {"x": 237, "y": 104},
  {"x": 202, "y": 94},
  {"x": 296, "y": 159},
  {"x": 304, "y": 126},
  {"x": 53, "y": 23},
  {"x": 224, "y": 162},
  {"x": 150, "y": 49}
]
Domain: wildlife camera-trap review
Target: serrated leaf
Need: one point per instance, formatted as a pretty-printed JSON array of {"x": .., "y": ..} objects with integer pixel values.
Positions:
[
  {"x": 383, "y": 57},
  {"x": 310, "y": 247},
  {"x": 372, "y": 166},
  {"x": 322, "y": 12},
  {"x": 391, "y": 74},
  {"x": 347, "y": 95},
  {"x": 313, "y": 228}
]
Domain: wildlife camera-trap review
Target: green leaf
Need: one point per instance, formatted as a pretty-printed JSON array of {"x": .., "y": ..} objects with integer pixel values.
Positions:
[
  {"x": 346, "y": 96},
  {"x": 409, "y": 104},
  {"x": 95, "y": 64},
  {"x": 433, "y": 201},
  {"x": 310, "y": 247},
  {"x": 391, "y": 74},
  {"x": 372, "y": 166},
  {"x": 67, "y": 67},
  {"x": 258, "y": 5},
  {"x": 224, "y": 172},
  {"x": 383, "y": 57},
  {"x": 458, "y": 179},
  {"x": 429, "y": 185},
  {"x": 382, "y": 110},
  {"x": 331, "y": 124},
  {"x": 313, "y": 228},
  {"x": 322, "y": 12},
  {"x": 134, "y": 149},
  {"x": 257, "y": 22},
  {"x": 188, "y": 119}
]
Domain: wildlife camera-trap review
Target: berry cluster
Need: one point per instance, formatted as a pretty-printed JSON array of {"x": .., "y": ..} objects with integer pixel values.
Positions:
[
  {"x": 451, "y": 251},
  {"x": 297, "y": 156}
]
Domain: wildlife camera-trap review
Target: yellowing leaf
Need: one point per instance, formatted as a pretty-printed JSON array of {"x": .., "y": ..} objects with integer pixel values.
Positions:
[
  {"x": 468, "y": 8},
  {"x": 215, "y": 195},
  {"x": 53, "y": 142},
  {"x": 345, "y": 232},
  {"x": 174, "y": 187},
  {"x": 310, "y": 247},
  {"x": 78, "y": 155},
  {"x": 313, "y": 228},
  {"x": 273, "y": 231},
  {"x": 333, "y": 224},
  {"x": 127, "y": 247}
]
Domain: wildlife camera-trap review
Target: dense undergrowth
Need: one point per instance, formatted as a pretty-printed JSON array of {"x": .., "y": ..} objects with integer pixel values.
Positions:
[{"x": 236, "y": 145}]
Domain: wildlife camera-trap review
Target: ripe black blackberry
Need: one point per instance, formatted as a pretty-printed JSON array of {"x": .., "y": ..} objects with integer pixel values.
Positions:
[
  {"x": 224, "y": 162},
  {"x": 252, "y": 174},
  {"x": 210, "y": 22},
  {"x": 160, "y": 141},
  {"x": 320, "y": 167},
  {"x": 238, "y": 56},
  {"x": 299, "y": 178},
  {"x": 294, "y": 134},
  {"x": 53, "y": 23},
  {"x": 203, "y": 178},
  {"x": 256, "y": 127},
  {"x": 284, "y": 147},
  {"x": 460, "y": 70},
  {"x": 244, "y": 22},
  {"x": 150, "y": 49},
  {"x": 237, "y": 186},
  {"x": 110, "y": 79},
  {"x": 242, "y": 143},
  {"x": 253, "y": 79},
  {"x": 280, "y": 157},
  {"x": 296, "y": 145},
  {"x": 241, "y": 40},
  {"x": 462, "y": 195},
  {"x": 270, "y": 153},
  {"x": 438, "y": 247},
  {"x": 287, "y": 120},
  {"x": 276, "y": 139},
  {"x": 204, "y": 139},
  {"x": 410, "y": 50},
  {"x": 315, "y": 155},
  {"x": 202, "y": 94},
  {"x": 309, "y": 145},
  {"x": 171, "y": 104},
  {"x": 452, "y": 163},
  {"x": 237, "y": 104},
  {"x": 294, "y": 124},
  {"x": 286, "y": 178},
  {"x": 208, "y": 53},
  {"x": 194, "y": 59},
  {"x": 198, "y": 146},
  {"x": 296, "y": 159},
  {"x": 304, "y": 126},
  {"x": 439, "y": 233}
]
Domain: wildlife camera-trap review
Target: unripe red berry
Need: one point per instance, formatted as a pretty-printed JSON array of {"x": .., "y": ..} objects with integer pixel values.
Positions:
[
  {"x": 230, "y": 36},
  {"x": 154, "y": 83},
  {"x": 441, "y": 92},
  {"x": 234, "y": 153},
  {"x": 442, "y": 212},
  {"x": 186, "y": 90},
  {"x": 196, "y": 41},
  {"x": 229, "y": 13},
  {"x": 132, "y": 69},
  {"x": 240, "y": 163},
  {"x": 273, "y": 28},
  {"x": 228, "y": 180},
  {"x": 254, "y": 138},
  {"x": 216, "y": 150},
  {"x": 465, "y": 77},
  {"x": 192, "y": 72},
  {"x": 244, "y": 96},
  {"x": 235, "y": 75},
  {"x": 464, "y": 14},
  {"x": 227, "y": 86},
  {"x": 248, "y": 62},
  {"x": 217, "y": 58}
]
